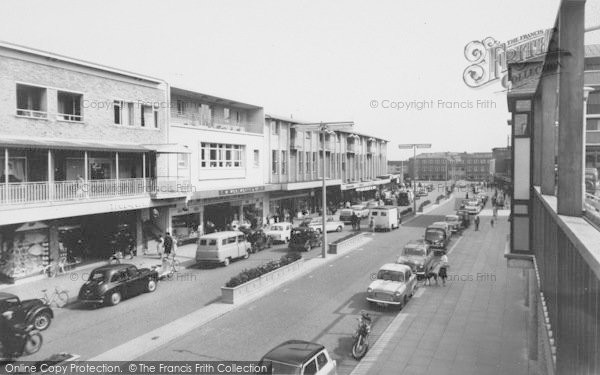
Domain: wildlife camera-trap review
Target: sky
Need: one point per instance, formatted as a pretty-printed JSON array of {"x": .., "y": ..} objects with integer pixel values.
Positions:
[{"x": 394, "y": 67}]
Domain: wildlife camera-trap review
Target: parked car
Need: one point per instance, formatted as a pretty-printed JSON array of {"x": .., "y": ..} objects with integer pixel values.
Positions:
[
  {"x": 445, "y": 225},
  {"x": 299, "y": 357},
  {"x": 436, "y": 237},
  {"x": 418, "y": 256},
  {"x": 360, "y": 210},
  {"x": 394, "y": 285},
  {"x": 472, "y": 207},
  {"x": 454, "y": 221},
  {"x": 240, "y": 224},
  {"x": 280, "y": 232},
  {"x": 26, "y": 312},
  {"x": 386, "y": 218},
  {"x": 304, "y": 238},
  {"x": 222, "y": 247},
  {"x": 372, "y": 204},
  {"x": 114, "y": 282},
  {"x": 332, "y": 225}
]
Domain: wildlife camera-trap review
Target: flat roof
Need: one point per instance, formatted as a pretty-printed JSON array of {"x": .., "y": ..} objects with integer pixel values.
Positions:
[
  {"x": 79, "y": 62},
  {"x": 211, "y": 98}
]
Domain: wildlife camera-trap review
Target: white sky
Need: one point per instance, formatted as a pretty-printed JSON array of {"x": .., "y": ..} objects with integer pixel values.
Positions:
[{"x": 315, "y": 60}]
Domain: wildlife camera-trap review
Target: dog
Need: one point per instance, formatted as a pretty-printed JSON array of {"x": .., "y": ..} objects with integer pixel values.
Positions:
[{"x": 432, "y": 274}]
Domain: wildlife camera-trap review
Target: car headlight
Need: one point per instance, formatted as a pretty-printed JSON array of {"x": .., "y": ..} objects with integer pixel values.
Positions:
[{"x": 369, "y": 290}]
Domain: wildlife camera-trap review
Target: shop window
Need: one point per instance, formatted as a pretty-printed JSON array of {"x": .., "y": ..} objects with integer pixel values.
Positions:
[
  {"x": 69, "y": 106},
  {"x": 31, "y": 101}
]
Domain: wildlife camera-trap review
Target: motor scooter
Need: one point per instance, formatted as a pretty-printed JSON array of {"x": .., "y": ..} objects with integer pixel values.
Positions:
[
  {"x": 361, "y": 336},
  {"x": 30, "y": 343}
]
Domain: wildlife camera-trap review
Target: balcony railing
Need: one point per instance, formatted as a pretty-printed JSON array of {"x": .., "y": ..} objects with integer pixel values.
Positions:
[
  {"x": 193, "y": 119},
  {"x": 31, "y": 113},
  {"x": 40, "y": 192}
]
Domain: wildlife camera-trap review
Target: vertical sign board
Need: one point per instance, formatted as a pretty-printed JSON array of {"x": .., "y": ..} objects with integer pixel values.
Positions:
[{"x": 522, "y": 122}]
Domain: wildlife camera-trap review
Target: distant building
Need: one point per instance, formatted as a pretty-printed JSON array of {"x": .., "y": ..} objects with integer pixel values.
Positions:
[
  {"x": 440, "y": 166},
  {"x": 501, "y": 161}
]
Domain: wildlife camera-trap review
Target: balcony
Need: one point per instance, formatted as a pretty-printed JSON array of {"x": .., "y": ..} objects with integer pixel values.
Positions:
[
  {"x": 198, "y": 120},
  {"x": 351, "y": 148},
  {"x": 25, "y": 193},
  {"x": 296, "y": 143}
]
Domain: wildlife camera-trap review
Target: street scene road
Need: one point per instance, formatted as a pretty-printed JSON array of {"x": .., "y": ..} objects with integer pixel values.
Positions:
[{"x": 200, "y": 284}]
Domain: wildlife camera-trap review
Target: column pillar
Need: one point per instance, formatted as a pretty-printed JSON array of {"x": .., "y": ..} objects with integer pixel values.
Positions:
[
  {"x": 6, "y": 192},
  {"x": 537, "y": 140},
  {"x": 570, "y": 114},
  {"x": 549, "y": 86},
  {"x": 50, "y": 177}
]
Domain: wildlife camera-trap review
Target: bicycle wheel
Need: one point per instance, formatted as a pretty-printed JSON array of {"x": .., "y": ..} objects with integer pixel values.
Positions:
[
  {"x": 51, "y": 270},
  {"x": 33, "y": 343},
  {"x": 62, "y": 298}
]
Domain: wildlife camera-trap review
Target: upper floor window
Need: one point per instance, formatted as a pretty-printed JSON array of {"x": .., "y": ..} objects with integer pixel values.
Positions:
[
  {"x": 149, "y": 116},
  {"x": 180, "y": 107},
  {"x": 31, "y": 101},
  {"x": 283, "y": 162},
  {"x": 218, "y": 155},
  {"x": 308, "y": 135},
  {"x": 69, "y": 106},
  {"x": 118, "y": 111},
  {"x": 593, "y": 103},
  {"x": 275, "y": 127},
  {"x": 226, "y": 114},
  {"x": 275, "y": 166},
  {"x": 256, "y": 158}
]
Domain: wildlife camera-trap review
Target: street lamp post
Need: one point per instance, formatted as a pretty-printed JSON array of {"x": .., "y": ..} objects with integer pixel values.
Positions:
[
  {"x": 414, "y": 147},
  {"x": 323, "y": 128}
]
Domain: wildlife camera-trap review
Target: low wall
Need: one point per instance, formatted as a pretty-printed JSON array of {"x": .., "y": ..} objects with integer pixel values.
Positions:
[
  {"x": 248, "y": 289},
  {"x": 347, "y": 244}
]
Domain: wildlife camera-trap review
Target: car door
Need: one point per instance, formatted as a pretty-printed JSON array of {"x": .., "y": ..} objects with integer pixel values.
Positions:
[
  {"x": 119, "y": 282},
  {"x": 135, "y": 282},
  {"x": 242, "y": 248},
  {"x": 325, "y": 364}
]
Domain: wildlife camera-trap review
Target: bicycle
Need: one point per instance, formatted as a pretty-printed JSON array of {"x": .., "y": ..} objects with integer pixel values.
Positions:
[
  {"x": 58, "y": 298},
  {"x": 172, "y": 266},
  {"x": 55, "y": 268}
]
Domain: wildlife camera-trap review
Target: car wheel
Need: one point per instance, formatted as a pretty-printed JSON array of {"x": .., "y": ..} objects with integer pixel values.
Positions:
[
  {"x": 114, "y": 298},
  {"x": 151, "y": 286},
  {"x": 42, "y": 321},
  {"x": 339, "y": 229},
  {"x": 226, "y": 262},
  {"x": 307, "y": 246}
]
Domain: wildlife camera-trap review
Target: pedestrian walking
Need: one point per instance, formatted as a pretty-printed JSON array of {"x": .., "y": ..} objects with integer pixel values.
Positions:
[
  {"x": 168, "y": 244},
  {"x": 477, "y": 222},
  {"x": 160, "y": 243},
  {"x": 492, "y": 222},
  {"x": 495, "y": 212},
  {"x": 372, "y": 224},
  {"x": 444, "y": 265}
]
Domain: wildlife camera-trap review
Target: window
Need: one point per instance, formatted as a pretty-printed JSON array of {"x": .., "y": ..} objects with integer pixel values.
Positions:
[
  {"x": 283, "y": 162},
  {"x": 307, "y": 160},
  {"x": 226, "y": 114},
  {"x": 118, "y": 111},
  {"x": 256, "y": 158},
  {"x": 155, "y": 112},
  {"x": 31, "y": 101},
  {"x": 300, "y": 162},
  {"x": 69, "y": 106},
  {"x": 275, "y": 128},
  {"x": 315, "y": 167},
  {"x": 130, "y": 114},
  {"x": 180, "y": 107},
  {"x": 308, "y": 135},
  {"x": 521, "y": 124},
  {"x": 215, "y": 155},
  {"x": 275, "y": 160},
  {"x": 183, "y": 161},
  {"x": 145, "y": 115},
  {"x": 322, "y": 360},
  {"x": 592, "y": 124},
  {"x": 593, "y": 103}
]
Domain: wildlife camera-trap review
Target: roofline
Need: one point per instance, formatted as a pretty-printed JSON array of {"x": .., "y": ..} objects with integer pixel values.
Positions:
[
  {"x": 79, "y": 62},
  {"x": 215, "y": 98}
]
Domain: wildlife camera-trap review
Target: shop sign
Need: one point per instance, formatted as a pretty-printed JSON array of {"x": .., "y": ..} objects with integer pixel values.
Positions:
[
  {"x": 367, "y": 188},
  {"x": 241, "y": 190}
]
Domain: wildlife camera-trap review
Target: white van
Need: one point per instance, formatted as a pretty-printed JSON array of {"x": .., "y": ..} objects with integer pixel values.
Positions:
[
  {"x": 385, "y": 218},
  {"x": 222, "y": 247}
]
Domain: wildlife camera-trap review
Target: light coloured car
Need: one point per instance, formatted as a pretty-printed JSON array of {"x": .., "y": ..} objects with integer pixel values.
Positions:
[
  {"x": 280, "y": 232},
  {"x": 299, "y": 357},
  {"x": 472, "y": 208},
  {"x": 361, "y": 210},
  {"x": 332, "y": 225},
  {"x": 419, "y": 256},
  {"x": 445, "y": 225},
  {"x": 394, "y": 285},
  {"x": 454, "y": 222}
]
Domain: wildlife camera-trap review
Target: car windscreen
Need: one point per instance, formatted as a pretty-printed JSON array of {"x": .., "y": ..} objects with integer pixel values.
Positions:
[
  {"x": 414, "y": 251},
  {"x": 388, "y": 275},
  {"x": 434, "y": 234}
]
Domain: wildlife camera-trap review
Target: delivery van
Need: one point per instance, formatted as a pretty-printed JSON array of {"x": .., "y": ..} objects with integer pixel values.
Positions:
[
  {"x": 385, "y": 218},
  {"x": 222, "y": 247}
]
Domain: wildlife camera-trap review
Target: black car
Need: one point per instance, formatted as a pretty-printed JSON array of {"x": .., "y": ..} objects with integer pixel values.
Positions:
[
  {"x": 304, "y": 238},
  {"x": 258, "y": 239},
  {"x": 114, "y": 282},
  {"x": 27, "y": 312}
]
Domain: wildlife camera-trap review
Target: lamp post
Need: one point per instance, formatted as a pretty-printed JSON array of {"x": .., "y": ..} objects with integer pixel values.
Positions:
[
  {"x": 414, "y": 147},
  {"x": 323, "y": 128}
]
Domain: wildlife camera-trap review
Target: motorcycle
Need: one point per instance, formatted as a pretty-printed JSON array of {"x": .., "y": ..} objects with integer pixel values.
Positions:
[
  {"x": 31, "y": 342},
  {"x": 361, "y": 336}
]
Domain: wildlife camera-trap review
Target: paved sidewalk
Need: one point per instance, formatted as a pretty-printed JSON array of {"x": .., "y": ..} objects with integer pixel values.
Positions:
[
  {"x": 476, "y": 324},
  {"x": 73, "y": 279}
]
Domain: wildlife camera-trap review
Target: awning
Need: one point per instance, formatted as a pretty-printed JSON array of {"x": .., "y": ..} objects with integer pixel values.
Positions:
[
  {"x": 169, "y": 148},
  {"x": 69, "y": 144},
  {"x": 85, "y": 144}
]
